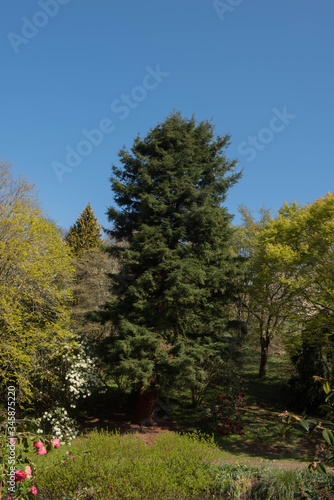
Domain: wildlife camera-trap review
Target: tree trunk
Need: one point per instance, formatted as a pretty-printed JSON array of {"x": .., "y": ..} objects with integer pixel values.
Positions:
[
  {"x": 265, "y": 341},
  {"x": 145, "y": 405}
]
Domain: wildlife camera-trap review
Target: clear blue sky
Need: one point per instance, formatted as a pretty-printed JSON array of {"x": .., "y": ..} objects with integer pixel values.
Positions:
[{"x": 261, "y": 69}]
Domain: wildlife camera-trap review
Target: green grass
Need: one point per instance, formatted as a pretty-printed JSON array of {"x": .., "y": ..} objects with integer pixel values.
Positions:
[
  {"x": 235, "y": 481},
  {"x": 124, "y": 467},
  {"x": 267, "y": 437},
  {"x": 283, "y": 485},
  {"x": 174, "y": 467},
  {"x": 272, "y": 391},
  {"x": 278, "y": 485}
]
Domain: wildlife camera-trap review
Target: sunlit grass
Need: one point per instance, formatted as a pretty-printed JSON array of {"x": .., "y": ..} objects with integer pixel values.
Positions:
[{"x": 121, "y": 467}]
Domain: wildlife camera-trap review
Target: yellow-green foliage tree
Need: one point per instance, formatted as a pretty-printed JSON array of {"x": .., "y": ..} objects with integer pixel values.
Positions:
[
  {"x": 290, "y": 273},
  {"x": 266, "y": 298},
  {"x": 36, "y": 272},
  {"x": 302, "y": 238}
]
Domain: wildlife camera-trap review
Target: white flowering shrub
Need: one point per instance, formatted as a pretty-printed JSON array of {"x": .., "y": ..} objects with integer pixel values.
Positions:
[
  {"x": 57, "y": 423},
  {"x": 79, "y": 374},
  {"x": 81, "y": 377},
  {"x": 77, "y": 379}
]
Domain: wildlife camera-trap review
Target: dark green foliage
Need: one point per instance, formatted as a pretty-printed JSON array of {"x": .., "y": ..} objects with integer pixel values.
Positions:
[
  {"x": 85, "y": 233},
  {"x": 313, "y": 360},
  {"x": 225, "y": 414},
  {"x": 181, "y": 273}
]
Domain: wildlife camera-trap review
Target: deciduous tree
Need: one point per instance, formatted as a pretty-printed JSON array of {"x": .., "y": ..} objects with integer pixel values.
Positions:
[
  {"x": 265, "y": 297},
  {"x": 290, "y": 273},
  {"x": 35, "y": 278}
]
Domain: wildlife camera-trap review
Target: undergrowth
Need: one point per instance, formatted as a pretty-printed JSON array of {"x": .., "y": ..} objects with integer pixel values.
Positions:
[{"x": 122, "y": 467}]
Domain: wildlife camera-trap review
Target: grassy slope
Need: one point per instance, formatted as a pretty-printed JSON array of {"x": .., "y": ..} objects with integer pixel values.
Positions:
[
  {"x": 126, "y": 465},
  {"x": 266, "y": 440}
]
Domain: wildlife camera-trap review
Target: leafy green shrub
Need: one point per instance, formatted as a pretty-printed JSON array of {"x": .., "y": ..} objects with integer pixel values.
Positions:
[
  {"x": 77, "y": 378},
  {"x": 234, "y": 481},
  {"x": 278, "y": 485},
  {"x": 313, "y": 360},
  {"x": 225, "y": 414},
  {"x": 317, "y": 484},
  {"x": 57, "y": 423},
  {"x": 326, "y": 427},
  {"x": 122, "y": 467}
]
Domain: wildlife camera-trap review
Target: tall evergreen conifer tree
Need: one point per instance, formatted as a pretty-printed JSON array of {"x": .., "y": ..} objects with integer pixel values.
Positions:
[
  {"x": 170, "y": 317},
  {"x": 85, "y": 233}
]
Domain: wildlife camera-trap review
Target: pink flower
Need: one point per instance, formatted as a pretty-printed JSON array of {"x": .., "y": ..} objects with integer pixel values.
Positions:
[
  {"x": 33, "y": 490},
  {"x": 12, "y": 441},
  {"x": 28, "y": 471},
  {"x": 41, "y": 451},
  {"x": 19, "y": 476},
  {"x": 38, "y": 444},
  {"x": 55, "y": 443},
  {"x": 9, "y": 496},
  {"x": 66, "y": 452}
]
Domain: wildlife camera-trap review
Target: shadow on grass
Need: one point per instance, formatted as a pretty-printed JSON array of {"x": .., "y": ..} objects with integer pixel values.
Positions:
[{"x": 265, "y": 436}]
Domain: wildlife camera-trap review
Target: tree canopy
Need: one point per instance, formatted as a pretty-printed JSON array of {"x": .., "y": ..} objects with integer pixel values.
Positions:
[
  {"x": 289, "y": 278},
  {"x": 302, "y": 239}
]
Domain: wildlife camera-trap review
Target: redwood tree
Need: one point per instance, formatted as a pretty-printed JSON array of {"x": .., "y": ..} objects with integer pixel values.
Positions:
[{"x": 170, "y": 314}]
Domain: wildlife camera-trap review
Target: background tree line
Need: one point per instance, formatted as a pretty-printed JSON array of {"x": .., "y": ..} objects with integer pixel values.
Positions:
[{"x": 174, "y": 289}]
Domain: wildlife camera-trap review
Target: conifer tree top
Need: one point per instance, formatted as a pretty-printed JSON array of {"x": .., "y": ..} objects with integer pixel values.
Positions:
[
  {"x": 86, "y": 232},
  {"x": 180, "y": 164}
]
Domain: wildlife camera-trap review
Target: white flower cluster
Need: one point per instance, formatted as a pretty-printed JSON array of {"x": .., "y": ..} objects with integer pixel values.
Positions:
[
  {"x": 82, "y": 375},
  {"x": 59, "y": 424}
]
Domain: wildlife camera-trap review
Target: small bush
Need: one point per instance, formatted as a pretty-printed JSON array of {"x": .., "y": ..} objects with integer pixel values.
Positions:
[
  {"x": 234, "y": 481},
  {"x": 278, "y": 485},
  {"x": 57, "y": 423},
  {"x": 225, "y": 414}
]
